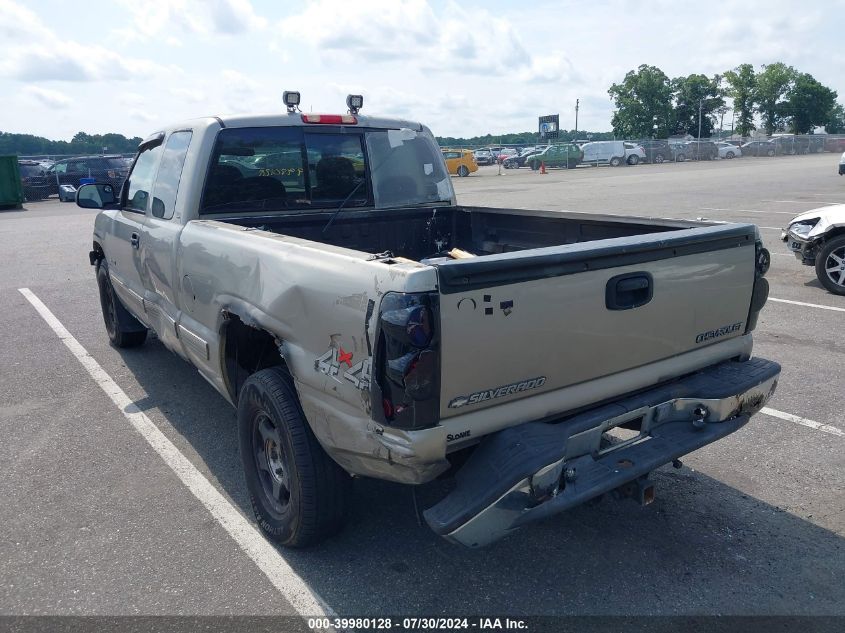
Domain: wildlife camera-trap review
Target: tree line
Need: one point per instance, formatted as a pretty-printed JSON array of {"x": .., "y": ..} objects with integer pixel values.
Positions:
[
  {"x": 648, "y": 103},
  {"x": 81, "y": 143}
]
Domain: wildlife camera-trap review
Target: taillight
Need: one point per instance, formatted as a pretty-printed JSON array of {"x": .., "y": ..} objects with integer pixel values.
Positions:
[
  {"x": 407, "y": 361},
  {"x": 330, "y": 119},
  {"x": 760, "y": 290}
]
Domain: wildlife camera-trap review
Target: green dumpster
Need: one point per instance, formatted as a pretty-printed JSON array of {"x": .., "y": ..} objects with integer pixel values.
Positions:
[{"x": 11, "y": 189}]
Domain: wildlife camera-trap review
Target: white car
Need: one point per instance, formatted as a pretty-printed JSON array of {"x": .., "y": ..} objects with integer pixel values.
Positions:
[
  {"x": 842, "y": 164},
  {"x": 634, "y": 153},
  {"x": 726, "y": 150},
  {"x": 817, "y": 238}
]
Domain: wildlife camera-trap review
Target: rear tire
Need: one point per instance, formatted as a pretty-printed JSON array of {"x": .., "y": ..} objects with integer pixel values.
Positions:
[
  {"x": 680, "y": 158},
  {"x": 829, "y": 265},
  {"x": 463, "y": 172},
  {"x": 729, "y": 155},
  {"x": 615, "y": 161},
  {"x": 633, "y": 159},
  {"x": 124, "y": 330},
  {"x": 658, "y": 159},
  {"x": 535, "y": 166},
  {"x": 770, "y": 152},
  {"x": 298, "y": 493}
]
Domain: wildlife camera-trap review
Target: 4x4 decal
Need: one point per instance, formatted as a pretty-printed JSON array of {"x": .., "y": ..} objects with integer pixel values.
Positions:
[{"x": 337, "y": 363}]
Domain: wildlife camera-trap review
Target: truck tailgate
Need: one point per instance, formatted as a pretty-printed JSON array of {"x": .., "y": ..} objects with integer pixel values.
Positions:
[{"x": 516, "y": 324}]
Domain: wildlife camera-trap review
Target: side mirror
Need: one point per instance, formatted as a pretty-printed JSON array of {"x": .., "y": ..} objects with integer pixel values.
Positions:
[{"x": 93, "y": 196}]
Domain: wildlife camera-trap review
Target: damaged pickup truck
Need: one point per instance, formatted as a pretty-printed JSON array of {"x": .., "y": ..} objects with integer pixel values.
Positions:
[{"x": 319, "y": 273}]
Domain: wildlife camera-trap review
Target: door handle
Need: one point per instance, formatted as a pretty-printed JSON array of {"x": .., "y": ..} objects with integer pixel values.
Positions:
[
  {"x": 135, "y": 240},
  {"x": 628, "y": 291}
]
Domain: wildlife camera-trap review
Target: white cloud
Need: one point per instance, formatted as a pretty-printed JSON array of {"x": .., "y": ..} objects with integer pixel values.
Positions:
[
  {"x": 383, "y": 31},
  {"x": 141, "y": 115},
  {"x": 47, "y": 97},
  {"x": 180, "y": 17}
]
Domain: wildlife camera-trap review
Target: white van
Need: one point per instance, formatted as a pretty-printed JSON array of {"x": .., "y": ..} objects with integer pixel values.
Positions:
[{"x": 604, "y": 153}]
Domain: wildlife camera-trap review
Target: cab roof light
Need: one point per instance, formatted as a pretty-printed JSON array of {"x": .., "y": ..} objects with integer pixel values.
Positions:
[
  {"x": 354, "y": 103},
  {"x": 291, "y": 99},
  {"x": 330, "y": 119}
]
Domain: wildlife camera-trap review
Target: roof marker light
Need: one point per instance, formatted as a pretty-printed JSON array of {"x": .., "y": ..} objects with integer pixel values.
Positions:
[{"x": 330, "y": 119}]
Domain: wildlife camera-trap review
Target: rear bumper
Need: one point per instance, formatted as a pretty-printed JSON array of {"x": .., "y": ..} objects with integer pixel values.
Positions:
[{"x": 534, "y": 470}]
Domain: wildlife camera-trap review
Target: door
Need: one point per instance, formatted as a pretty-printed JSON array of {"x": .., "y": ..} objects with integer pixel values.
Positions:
[
  {"x": 160, "y": 236},
  {"x": 124, "y": 243}
]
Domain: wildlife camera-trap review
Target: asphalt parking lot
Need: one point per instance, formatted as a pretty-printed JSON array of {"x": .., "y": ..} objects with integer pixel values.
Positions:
[{"x": 94, "y": 522}]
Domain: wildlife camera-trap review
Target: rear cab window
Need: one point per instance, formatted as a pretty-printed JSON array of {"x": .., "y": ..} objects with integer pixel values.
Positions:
[{"x": 303, "y": 168}]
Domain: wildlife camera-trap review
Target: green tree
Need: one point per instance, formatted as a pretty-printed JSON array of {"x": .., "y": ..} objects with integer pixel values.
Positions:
[
  {"x": 742, "y": 86},
  {"x": 697, "y": 96},
  {"x": 835, "y": 120},
  {"x": 808, "y": 103},
  {"x": 642, "y": 100},
  {"x": 773, "y": 84}
]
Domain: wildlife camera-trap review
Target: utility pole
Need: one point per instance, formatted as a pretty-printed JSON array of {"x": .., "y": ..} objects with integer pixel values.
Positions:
[
  {"x": 577, "y": 101},
  {"x": 700, "y": 104}
]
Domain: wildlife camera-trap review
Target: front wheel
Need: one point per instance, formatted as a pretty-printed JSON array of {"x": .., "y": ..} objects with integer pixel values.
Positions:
[
  {"x": 729, "y": 155},
  {"x": 770, "y": 152},
  {"x": 615, "y": 161},
  {"x": 298, "y": 493},
  {"x": 830, "y": 265},
  {"x": 124, "y": 330},
  {"x": 463, "y": 172},
  {"x": 633, "y": 159},
  {"x": 658, "y": 159},
  {"x": 680, "y": 158}
]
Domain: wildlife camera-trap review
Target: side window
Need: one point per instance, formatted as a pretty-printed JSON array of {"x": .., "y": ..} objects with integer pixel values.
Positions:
[
  {"x": 60, "y": 168},
  {"x": 169, "y": 174},
  {"x": 141, "y": 180}
]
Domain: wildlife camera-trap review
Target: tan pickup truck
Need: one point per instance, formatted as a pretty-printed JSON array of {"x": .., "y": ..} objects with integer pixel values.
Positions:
[{"x": 319, "y": 273}]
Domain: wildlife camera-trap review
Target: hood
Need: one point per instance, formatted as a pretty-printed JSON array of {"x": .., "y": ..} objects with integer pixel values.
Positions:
[{"x": 829, "y": 217}]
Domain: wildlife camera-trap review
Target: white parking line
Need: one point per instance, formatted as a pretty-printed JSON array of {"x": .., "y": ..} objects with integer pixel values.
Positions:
[
  {"x": 824, "y": 428},
  {"x": 266, "y": 557},
  {"x": 772, "y": 228},
  {"x": 746, "y": 210},
  {"x": 805, "y": 201},
  {"x": 807, "y": 305}
]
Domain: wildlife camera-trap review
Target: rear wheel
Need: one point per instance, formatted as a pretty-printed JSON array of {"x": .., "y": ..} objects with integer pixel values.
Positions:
[
  {"x": 633, "y": 159},
  {"x": 463, "y": 171},
  {"x": 535, "y": 166},
  {"x": 298, "y": 493},
  {"x": 659, "y": 158},
  {"x": 729, "y": 155},
  {"x": 770, "y": 152},
  {"x": 572, "y": 164},
  {"x": 615, "y": 161},
  {"x": 124, "y": 330},
  {"x": 830, "y": 265}
]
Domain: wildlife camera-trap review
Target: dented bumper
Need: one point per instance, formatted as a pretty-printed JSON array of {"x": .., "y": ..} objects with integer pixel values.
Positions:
[{"x": 531, "y": 471}]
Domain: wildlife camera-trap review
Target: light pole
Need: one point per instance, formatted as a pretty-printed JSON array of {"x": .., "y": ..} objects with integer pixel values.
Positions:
[{"x": 577, "y": 101}]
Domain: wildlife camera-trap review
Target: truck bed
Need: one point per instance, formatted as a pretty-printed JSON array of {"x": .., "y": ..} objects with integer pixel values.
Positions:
[{"x": 426, "y": 233}]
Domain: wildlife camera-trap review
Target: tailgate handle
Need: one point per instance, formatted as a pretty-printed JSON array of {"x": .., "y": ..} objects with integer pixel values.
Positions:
[{"x": 630, "y": 290}]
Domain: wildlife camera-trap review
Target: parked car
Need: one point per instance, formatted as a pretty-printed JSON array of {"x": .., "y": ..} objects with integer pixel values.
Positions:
[
  {"x": 506, "y": 153},
  {"x": 679, "y": 151},
  {"x": 634, "y": 153},
  {"x": 484, "y": 157},
  {"x": 842, "y": 164},
  {"x": 460, "y": 162},
  {"x": 515, "y": 162},
  {"x": 558, "y": 155},
  {"x": 792, "y": 144},
  {"x": 36, "y": 185},
  {"x": 728, "y": 150},
  {"x": 761, "y": 148},
  {"x": 604, "y": 153},
  {"x": 656, "y": 150},
  {"x": 701, "y": 150},
  {"x": 70, "y": 171},
  {"x": 410, "y": 336},
  {"x": 817, "y": 238}
]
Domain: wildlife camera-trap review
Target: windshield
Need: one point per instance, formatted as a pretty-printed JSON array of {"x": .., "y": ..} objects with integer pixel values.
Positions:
[{"x": 296, "y": 168}]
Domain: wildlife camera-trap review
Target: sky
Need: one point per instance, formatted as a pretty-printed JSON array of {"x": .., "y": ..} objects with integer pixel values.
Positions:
[{"x": 463, "y": 68}]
